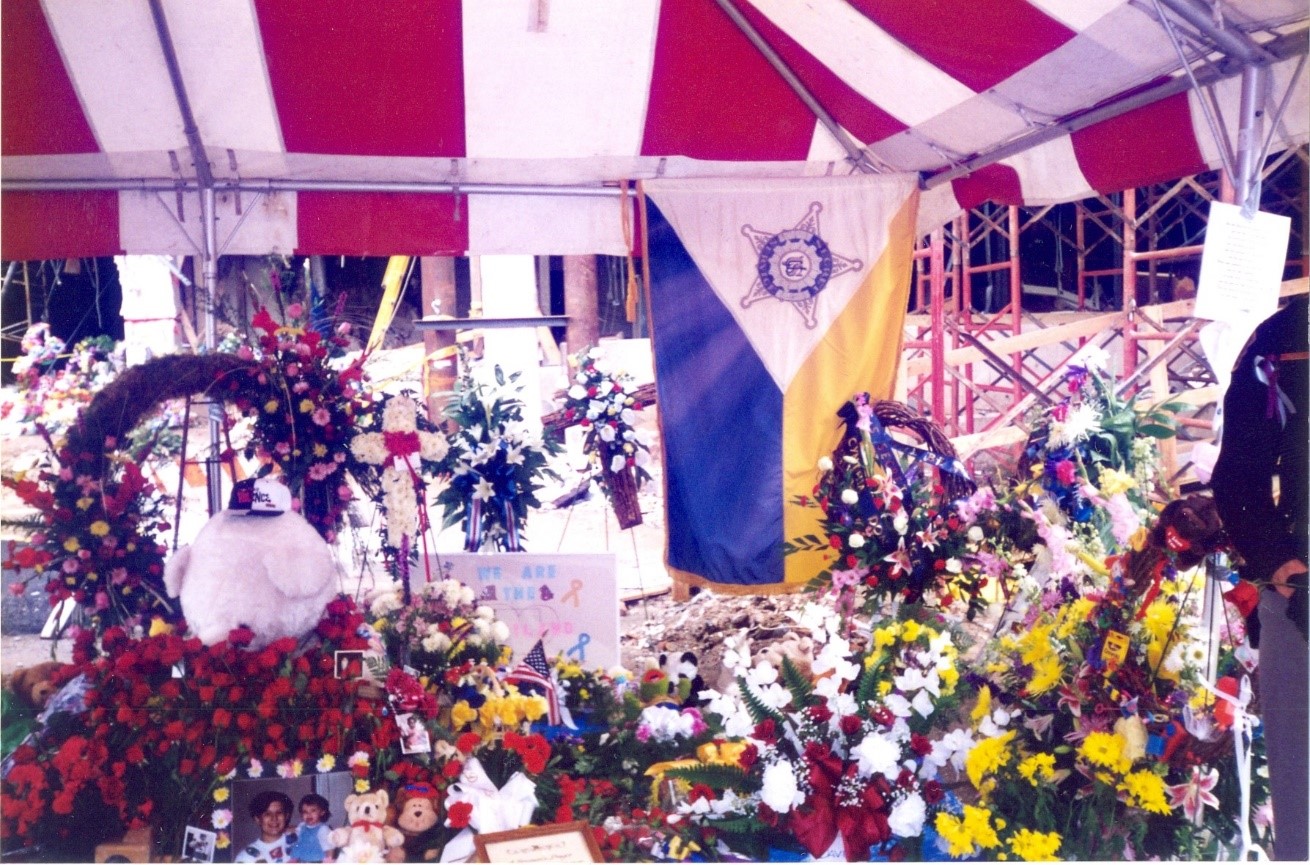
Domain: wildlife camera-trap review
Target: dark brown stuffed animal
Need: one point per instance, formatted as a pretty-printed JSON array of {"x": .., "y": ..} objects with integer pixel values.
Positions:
[
  {"x": 1186, "y": 531},
  {"x": 1190, "y": 528},
  {"x": 35, "y": 685}
]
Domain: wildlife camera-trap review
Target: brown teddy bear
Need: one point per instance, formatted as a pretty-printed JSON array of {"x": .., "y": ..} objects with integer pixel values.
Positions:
[
  {"x": 418, "y": 819},
  {"x": 34, "y": 686},
  {"x": 27, "y": 690}
]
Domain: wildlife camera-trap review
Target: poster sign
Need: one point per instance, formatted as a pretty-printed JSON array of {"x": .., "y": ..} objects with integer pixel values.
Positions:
[
  {"x": 1241, "y": 265},
  {"x": 570, "y": 599}
]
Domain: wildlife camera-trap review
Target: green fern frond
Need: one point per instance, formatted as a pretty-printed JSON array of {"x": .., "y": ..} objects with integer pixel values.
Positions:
[
  {"x": 758, "y": 711},
  {"x": 801, "y": 688},
  {"x": 868, "y": 686},
  {"x": 717, "y": 776}
]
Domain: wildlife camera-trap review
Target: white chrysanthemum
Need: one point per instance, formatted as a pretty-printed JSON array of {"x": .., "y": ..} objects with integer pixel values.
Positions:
[
  {"x": 577, "y": 392},
  {"x": 1095, "y": 358},
  {"x": 617, "y": 463},
  {"x": 484, "y": 612},
  {"x": 386, "y": 601},
  {"x": 856, "y": 541},
  {"x": 907, "y": 816},
  {"x": 1082, "y": 421},
  {"x": 606, "y": 432},
  {"x": 500, "y": 632},
  {"x": 901, "y": 522},
  {"x": 876, "y": 753},
  {"x": 780, "y": 790},
  {"x": 436, "y": 642},
  {"x": 825, "y": 464},
  {"x": 849, "y": 496}
]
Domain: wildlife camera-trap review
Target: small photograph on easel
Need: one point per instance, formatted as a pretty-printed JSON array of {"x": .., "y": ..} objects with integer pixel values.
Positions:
[
  {"x": 414, "y": 738},
  {"x": 348, "y": 665}
]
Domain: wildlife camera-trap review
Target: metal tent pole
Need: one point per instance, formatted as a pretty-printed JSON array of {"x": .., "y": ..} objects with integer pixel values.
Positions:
[{"x": 1249, "y": 141}]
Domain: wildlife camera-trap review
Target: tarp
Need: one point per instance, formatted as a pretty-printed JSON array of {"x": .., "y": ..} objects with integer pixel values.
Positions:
[
  {"x": 772, "y": 302},
  {"x": 573, "y": 92}
]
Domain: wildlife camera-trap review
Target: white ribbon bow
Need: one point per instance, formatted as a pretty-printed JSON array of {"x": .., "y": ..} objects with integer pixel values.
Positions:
[{"x": 494, "y": 810}]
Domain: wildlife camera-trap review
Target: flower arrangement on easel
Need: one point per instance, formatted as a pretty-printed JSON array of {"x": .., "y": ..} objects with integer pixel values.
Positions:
[
  {"x": 604, "y": 403},
  {"x": 404, "y": 450},
  {"x": 497, "y": 461}
]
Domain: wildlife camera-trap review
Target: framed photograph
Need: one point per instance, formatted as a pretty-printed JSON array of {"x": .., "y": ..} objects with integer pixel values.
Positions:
[
  {"x": 560, "y": 842},
  {"x": 349, "y": 665},
  {"x": 198, "y": 845},
  {"x": 333, "y": 787},
  {"x": 414, "y": 737}
]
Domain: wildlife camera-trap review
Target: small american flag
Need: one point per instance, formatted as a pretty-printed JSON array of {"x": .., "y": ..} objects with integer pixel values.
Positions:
[{"x": 534, "y": 673}]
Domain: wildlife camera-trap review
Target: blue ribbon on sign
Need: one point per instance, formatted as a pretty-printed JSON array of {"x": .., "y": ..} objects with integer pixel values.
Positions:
[{"x": 580, "y": 648}]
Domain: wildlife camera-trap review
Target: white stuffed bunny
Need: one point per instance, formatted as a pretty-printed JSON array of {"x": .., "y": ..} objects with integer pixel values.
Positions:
[{"x": 265, "y": 568}]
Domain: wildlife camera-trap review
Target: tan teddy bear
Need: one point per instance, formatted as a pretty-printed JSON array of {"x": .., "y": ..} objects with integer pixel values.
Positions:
[
  {"x": 34, "y": 686},
  {"x": 365, "y": 837}
]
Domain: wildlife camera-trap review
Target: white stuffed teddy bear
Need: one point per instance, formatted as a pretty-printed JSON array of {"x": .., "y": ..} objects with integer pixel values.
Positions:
[
  {"x": 365, "y": 837},
  {"x": 257, "y": 564}
]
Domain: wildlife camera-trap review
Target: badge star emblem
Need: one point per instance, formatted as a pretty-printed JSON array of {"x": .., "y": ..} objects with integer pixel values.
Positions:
[{"x": 795, "y": 265}]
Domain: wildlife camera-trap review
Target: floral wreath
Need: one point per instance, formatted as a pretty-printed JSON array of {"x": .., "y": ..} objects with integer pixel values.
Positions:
[
  {"x": 889, "y": 521},
  {"x": 99, "y": 543}
]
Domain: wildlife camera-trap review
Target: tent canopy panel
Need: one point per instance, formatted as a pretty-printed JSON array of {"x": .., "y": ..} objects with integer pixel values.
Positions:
[{"x": 298, "y": 95}]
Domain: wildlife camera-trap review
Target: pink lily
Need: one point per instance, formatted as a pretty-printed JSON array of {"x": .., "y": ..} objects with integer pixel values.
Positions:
[
  {"x": 1194, "y": 794},
  {"x": 899, "y": 560}
]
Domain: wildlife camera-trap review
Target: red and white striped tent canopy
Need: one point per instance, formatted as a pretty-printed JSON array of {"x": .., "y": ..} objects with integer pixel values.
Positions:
[{"x": 487, "y": 126}]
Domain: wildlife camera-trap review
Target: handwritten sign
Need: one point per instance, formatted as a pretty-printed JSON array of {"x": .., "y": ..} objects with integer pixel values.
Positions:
[
  {"x": 1241, "y": 265},
  {"x": 561, "y": 842},
  {"x": 570, "y": 598}
]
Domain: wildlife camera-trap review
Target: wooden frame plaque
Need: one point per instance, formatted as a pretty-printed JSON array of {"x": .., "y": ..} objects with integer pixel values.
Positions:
[{"x": 558, "y": 842}]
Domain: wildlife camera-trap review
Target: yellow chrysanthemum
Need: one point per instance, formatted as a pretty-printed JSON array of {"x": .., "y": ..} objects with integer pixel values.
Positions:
[
  {"x": 224, "y": 841},
  {"x": 72, "y": 545},
  {"x": 950, "y": 678},
  {"x": 99, "y": 528},
  {"x": 884, "y": 637},
  {"x": 462, "y": 713},
  {"x": 1147, "y": 791},
  {"x": 320, "y": 449},
  {"x": 1033, "y": 846},
  {"x": 361, "y": 785},
  {"x": 1105, "y": 749},
  {"x": 488, "y": 712},
  {"x": 1158, "y": 621},
  {"x": 1037, "y": 768},
  {"x": 1073, "y": 615},
  {"x": 1047, "y": 673},
  {"x": 951, "y": 828},
  {"x": 986, "y": 757},
  {"x": 911, "y": 630},
  {"x": 221, "y": 794},
  {"x": 532, "y": 708},
  {"x": 1113, "y": 481},
  {"x": 271, "y": 406},
  {"x": 983, "y": 707},
  {"x": 306, "y": 406},
  {"x": 85, "y": 502},
  {"x": 884, "y": 688},
  {"x": 1036, "y": 644}
]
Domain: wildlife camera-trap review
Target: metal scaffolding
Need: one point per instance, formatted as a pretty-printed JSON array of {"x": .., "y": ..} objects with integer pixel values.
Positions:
[{"x": 981, "y": 352}]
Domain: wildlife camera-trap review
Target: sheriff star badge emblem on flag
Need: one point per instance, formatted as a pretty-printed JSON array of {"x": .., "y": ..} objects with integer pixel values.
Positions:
[{"x": 795, "y": 265}]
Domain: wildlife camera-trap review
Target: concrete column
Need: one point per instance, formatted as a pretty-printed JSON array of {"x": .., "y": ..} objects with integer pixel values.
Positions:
[
  {"x": 437, "y": 276},
  {"x": 580, "y": 302}
]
